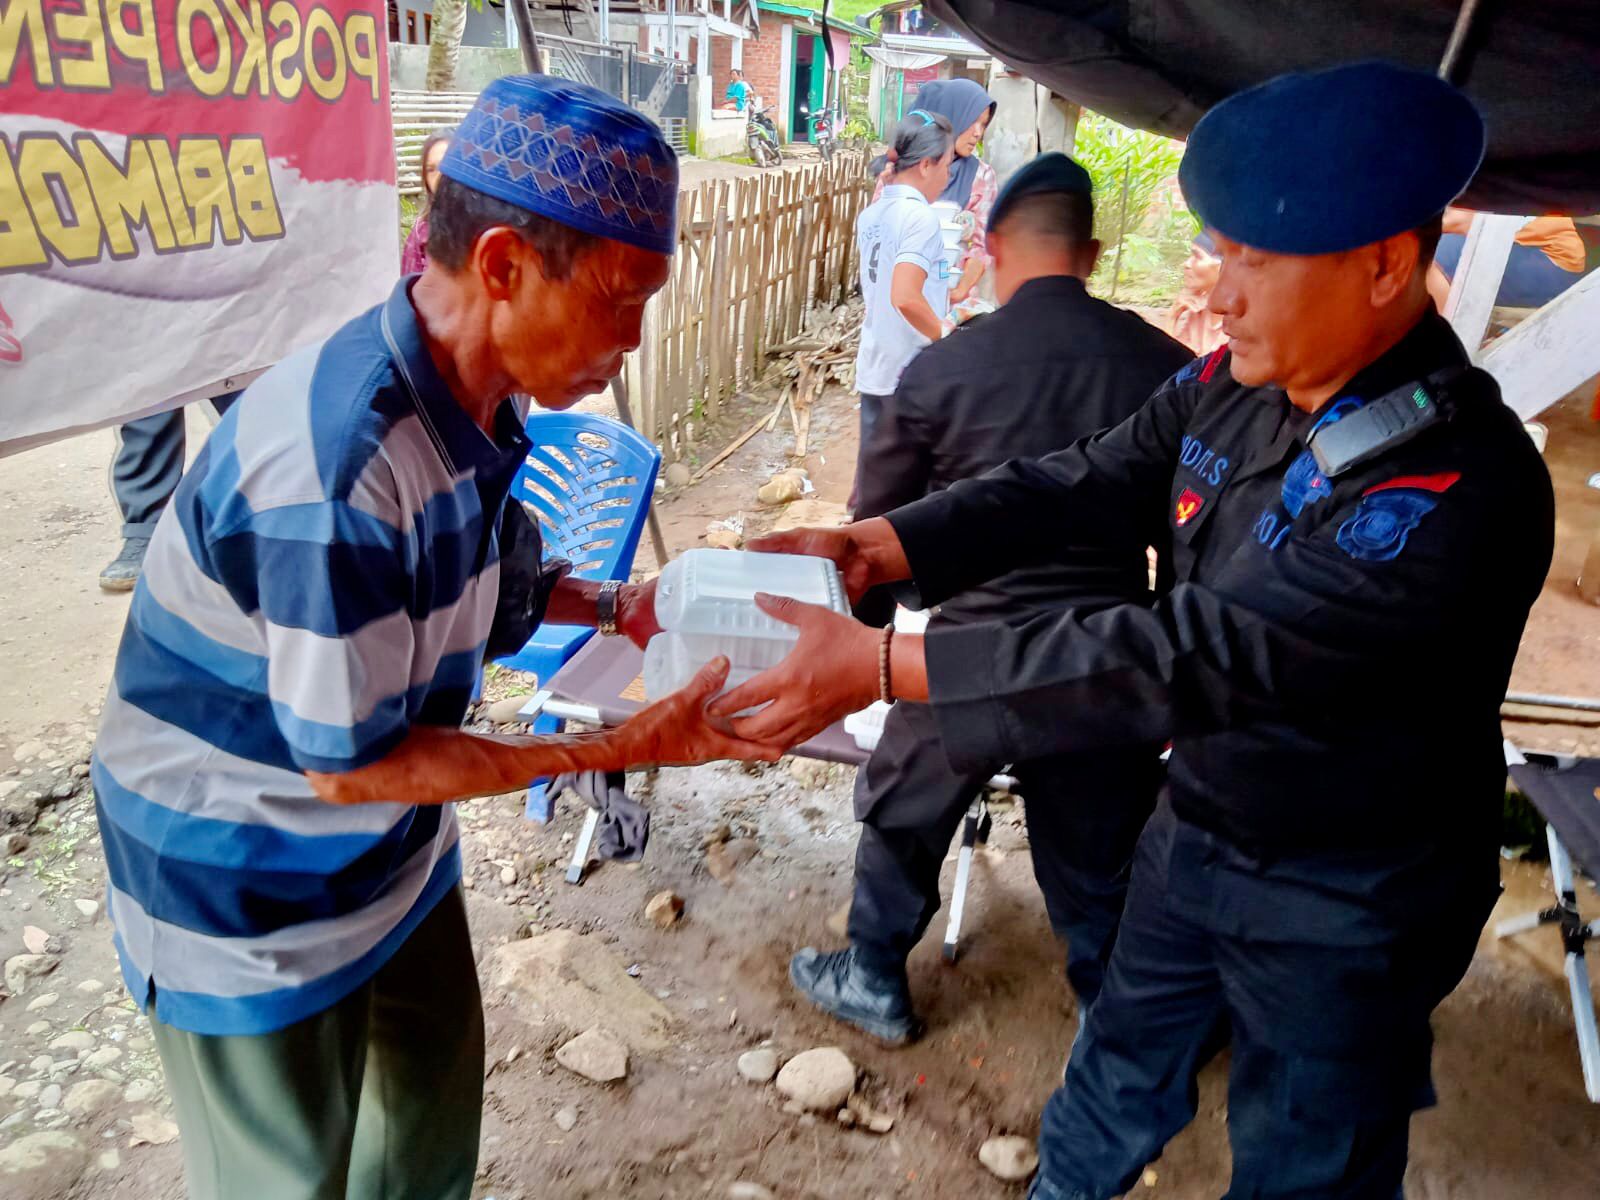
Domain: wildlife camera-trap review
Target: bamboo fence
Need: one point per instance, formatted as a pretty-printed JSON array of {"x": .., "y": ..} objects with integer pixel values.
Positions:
[{"x": 754, "y": 255}]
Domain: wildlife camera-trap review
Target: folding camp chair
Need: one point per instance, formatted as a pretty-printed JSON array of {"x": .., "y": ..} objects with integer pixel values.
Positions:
[
  {"x": 588, "y": 482},
  {"x": 602, "y": 685},
  {"x": 1566, "y": 791}
]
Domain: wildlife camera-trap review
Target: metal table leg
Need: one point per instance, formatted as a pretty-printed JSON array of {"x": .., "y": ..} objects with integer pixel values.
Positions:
[
  {"x": 580, "y": 852},
  {"x": 974, "y": 830}
]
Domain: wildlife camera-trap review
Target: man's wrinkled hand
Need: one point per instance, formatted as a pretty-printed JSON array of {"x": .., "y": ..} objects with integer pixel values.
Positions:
[
  {"x": 831, "y": 672},
  {"x": 636, "y": 613},
  {"x": 678, "y": 732}
]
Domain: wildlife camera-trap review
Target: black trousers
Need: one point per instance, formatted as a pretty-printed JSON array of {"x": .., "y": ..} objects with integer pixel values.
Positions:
[
  {"x": 1324, "y": 991},
  {"x": 871, "y": 407},
  {"x": 1084, "y": 814},
  {"x": 149, "y": 464}
]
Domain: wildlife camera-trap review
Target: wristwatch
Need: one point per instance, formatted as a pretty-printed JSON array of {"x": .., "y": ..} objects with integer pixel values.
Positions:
[{"x": 606, "y": 608}]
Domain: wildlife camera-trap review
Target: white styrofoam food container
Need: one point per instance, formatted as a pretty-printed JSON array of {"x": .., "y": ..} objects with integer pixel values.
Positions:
[{"x": 705, "y": 603}]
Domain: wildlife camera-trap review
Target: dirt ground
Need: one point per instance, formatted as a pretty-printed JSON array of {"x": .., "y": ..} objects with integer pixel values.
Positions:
[{"x": 1512, "y": 1119}]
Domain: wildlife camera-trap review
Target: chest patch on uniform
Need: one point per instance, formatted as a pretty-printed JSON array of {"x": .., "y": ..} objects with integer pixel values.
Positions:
[
  {"x": 1190, "y": 502},
  {"x": 1378, "y": 530},
  {"x": 1303, "y": 484}
]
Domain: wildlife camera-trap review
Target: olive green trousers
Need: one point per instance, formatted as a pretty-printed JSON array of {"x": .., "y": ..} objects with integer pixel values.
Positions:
[{"x": 378, "y": 1098}]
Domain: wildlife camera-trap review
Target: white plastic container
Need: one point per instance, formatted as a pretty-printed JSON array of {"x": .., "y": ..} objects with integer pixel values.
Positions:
[{"x": 705, "y": 603}]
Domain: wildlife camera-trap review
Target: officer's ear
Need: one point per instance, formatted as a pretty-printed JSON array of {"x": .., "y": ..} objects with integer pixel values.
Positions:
[
  {"x": 1088, "y": 256},
  {"x": 1397, "y": 268}
]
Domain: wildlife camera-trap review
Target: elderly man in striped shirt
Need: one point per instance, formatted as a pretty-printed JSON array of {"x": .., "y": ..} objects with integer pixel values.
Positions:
[{"x": 283, "y": 733}]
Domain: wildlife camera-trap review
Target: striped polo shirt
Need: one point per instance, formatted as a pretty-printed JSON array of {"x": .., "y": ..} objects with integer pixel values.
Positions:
[{"x": 323, "y": 579}]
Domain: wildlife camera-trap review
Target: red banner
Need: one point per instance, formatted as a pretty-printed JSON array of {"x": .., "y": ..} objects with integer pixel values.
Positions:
[{"x": 189, "y": 189}]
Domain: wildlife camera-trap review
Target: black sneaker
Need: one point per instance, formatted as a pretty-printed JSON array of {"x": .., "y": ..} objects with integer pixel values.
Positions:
[
  {"x": 876, "y": 1002},
  {"x": 122, "y": 572}
]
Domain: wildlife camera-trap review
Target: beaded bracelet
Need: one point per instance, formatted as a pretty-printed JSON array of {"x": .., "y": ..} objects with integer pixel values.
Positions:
[{"x": 885, "y": 690}]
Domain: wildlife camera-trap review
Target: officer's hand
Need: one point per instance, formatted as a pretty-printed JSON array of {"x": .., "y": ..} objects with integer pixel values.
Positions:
[
  {"x": 867, "y": 553},
  {"x": 831, "y": 672}
]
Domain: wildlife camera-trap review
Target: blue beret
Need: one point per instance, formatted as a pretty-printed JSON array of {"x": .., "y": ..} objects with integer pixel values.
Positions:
[
  {"x": 571, "y": 153},
  {"x": 1324, "y": 161},
  {"x": 1052, "y": 172}
]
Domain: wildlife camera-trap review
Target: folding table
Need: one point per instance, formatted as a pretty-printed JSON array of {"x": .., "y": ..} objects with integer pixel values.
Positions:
[
  {"x": 1566, "y": 791},
  {"x": 602, "y": 684}
]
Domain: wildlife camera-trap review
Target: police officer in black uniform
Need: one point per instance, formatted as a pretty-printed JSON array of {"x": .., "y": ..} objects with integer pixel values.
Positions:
[
  {"x": 1360, "y": 527},
  {"x": 1051, "y": 366}
]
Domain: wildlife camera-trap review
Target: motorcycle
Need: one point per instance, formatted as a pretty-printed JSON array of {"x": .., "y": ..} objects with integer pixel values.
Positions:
[
  {"x": 761, "y": 136},
  {"x": 823, "y": 135}
]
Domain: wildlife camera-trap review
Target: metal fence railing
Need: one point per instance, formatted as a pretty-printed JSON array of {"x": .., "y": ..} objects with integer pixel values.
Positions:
[{"x": 415, "y": 116}]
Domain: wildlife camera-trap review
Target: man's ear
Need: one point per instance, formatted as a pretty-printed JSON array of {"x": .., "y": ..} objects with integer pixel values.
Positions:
[
  {"x": 1395, "y": 267},
  {"x": 499, "y": 257},
  {"x": 1090, "y": 252}
]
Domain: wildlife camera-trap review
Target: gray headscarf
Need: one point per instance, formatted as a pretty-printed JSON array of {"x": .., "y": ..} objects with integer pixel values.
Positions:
[{"x": 961, "y": 102}]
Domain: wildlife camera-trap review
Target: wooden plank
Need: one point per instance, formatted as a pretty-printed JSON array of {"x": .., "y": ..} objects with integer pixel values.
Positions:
[
  {"x": 721, "y": 316},
  {"x": 1552, "y": 352},
  {"x": 1478, "y": 274},
  {"x": 727, "y": 451}
]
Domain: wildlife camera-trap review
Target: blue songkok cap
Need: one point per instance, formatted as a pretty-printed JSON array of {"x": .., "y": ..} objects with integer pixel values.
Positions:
[
  {"x": 570, "y": 152},
  {"x": 1324, "y": 161}
]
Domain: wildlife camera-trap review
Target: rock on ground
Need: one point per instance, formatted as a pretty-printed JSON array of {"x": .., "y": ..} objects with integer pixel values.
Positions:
[
  {"x": 745, "y": 1190},
  {"x": 665, "y": 909},
  {"x": 811, "y": 773},
  {"x": 1009, "y": 1158},
  {"x": 570, "y": 979},
  {"x": 595, "y": 1055},
  {"x": 91, "y": 1096},
  {"x": 723, "y": 859},
  {"x": 758, "y": 1066},
  {"x": 23, "y": 970},
  {"x": 40, "y": 1164},
  {"x": 75, "y": 1042},
  {"x": 567, "y": 1119},
  {"x": 819, "y": 1079},
  {"x": 678, "y": 474}
]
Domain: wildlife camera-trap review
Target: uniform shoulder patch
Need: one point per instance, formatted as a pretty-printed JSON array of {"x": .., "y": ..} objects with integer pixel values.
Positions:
[{"x": 1387, "y": 514}]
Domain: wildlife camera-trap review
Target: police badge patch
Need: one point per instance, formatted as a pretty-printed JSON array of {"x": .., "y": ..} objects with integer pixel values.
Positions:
[{"x": 1378, "y": 531}]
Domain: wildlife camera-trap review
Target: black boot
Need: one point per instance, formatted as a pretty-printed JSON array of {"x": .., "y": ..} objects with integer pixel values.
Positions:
[
  {"x": 122, "y": 572},
  {"x": 875, "y": 1001}
]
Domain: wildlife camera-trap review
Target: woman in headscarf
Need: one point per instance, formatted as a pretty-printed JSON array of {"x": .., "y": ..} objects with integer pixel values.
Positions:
[
  {"x": 414, "y": 256},
  {"x": 973, "y": 185}
]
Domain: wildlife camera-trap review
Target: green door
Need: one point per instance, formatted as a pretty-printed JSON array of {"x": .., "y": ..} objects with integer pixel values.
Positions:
[{"x": 819, "y": 77}]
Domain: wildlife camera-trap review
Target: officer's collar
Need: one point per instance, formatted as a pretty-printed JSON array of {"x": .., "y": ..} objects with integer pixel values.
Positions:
[
  {"x": 1431, "y": 345},
  {"x": 1050, "y": 285}
]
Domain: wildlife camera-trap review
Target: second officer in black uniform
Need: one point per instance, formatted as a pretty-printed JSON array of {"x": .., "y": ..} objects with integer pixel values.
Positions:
[
  {"x": 1053, "y": 365},
  {"x": 1360, "y": 527}
]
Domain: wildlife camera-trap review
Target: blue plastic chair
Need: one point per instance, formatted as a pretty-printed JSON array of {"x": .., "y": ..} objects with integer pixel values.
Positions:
[{"x": 587, "y": 481}]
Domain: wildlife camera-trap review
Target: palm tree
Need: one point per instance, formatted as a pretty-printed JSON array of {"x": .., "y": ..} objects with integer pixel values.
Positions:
[{"x": 444, "y": 47}]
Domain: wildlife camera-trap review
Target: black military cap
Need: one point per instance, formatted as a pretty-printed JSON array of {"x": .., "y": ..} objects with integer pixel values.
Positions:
[
  {"x": 1052, "y": 172},
  {"x": 1323, "y": 161}
]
